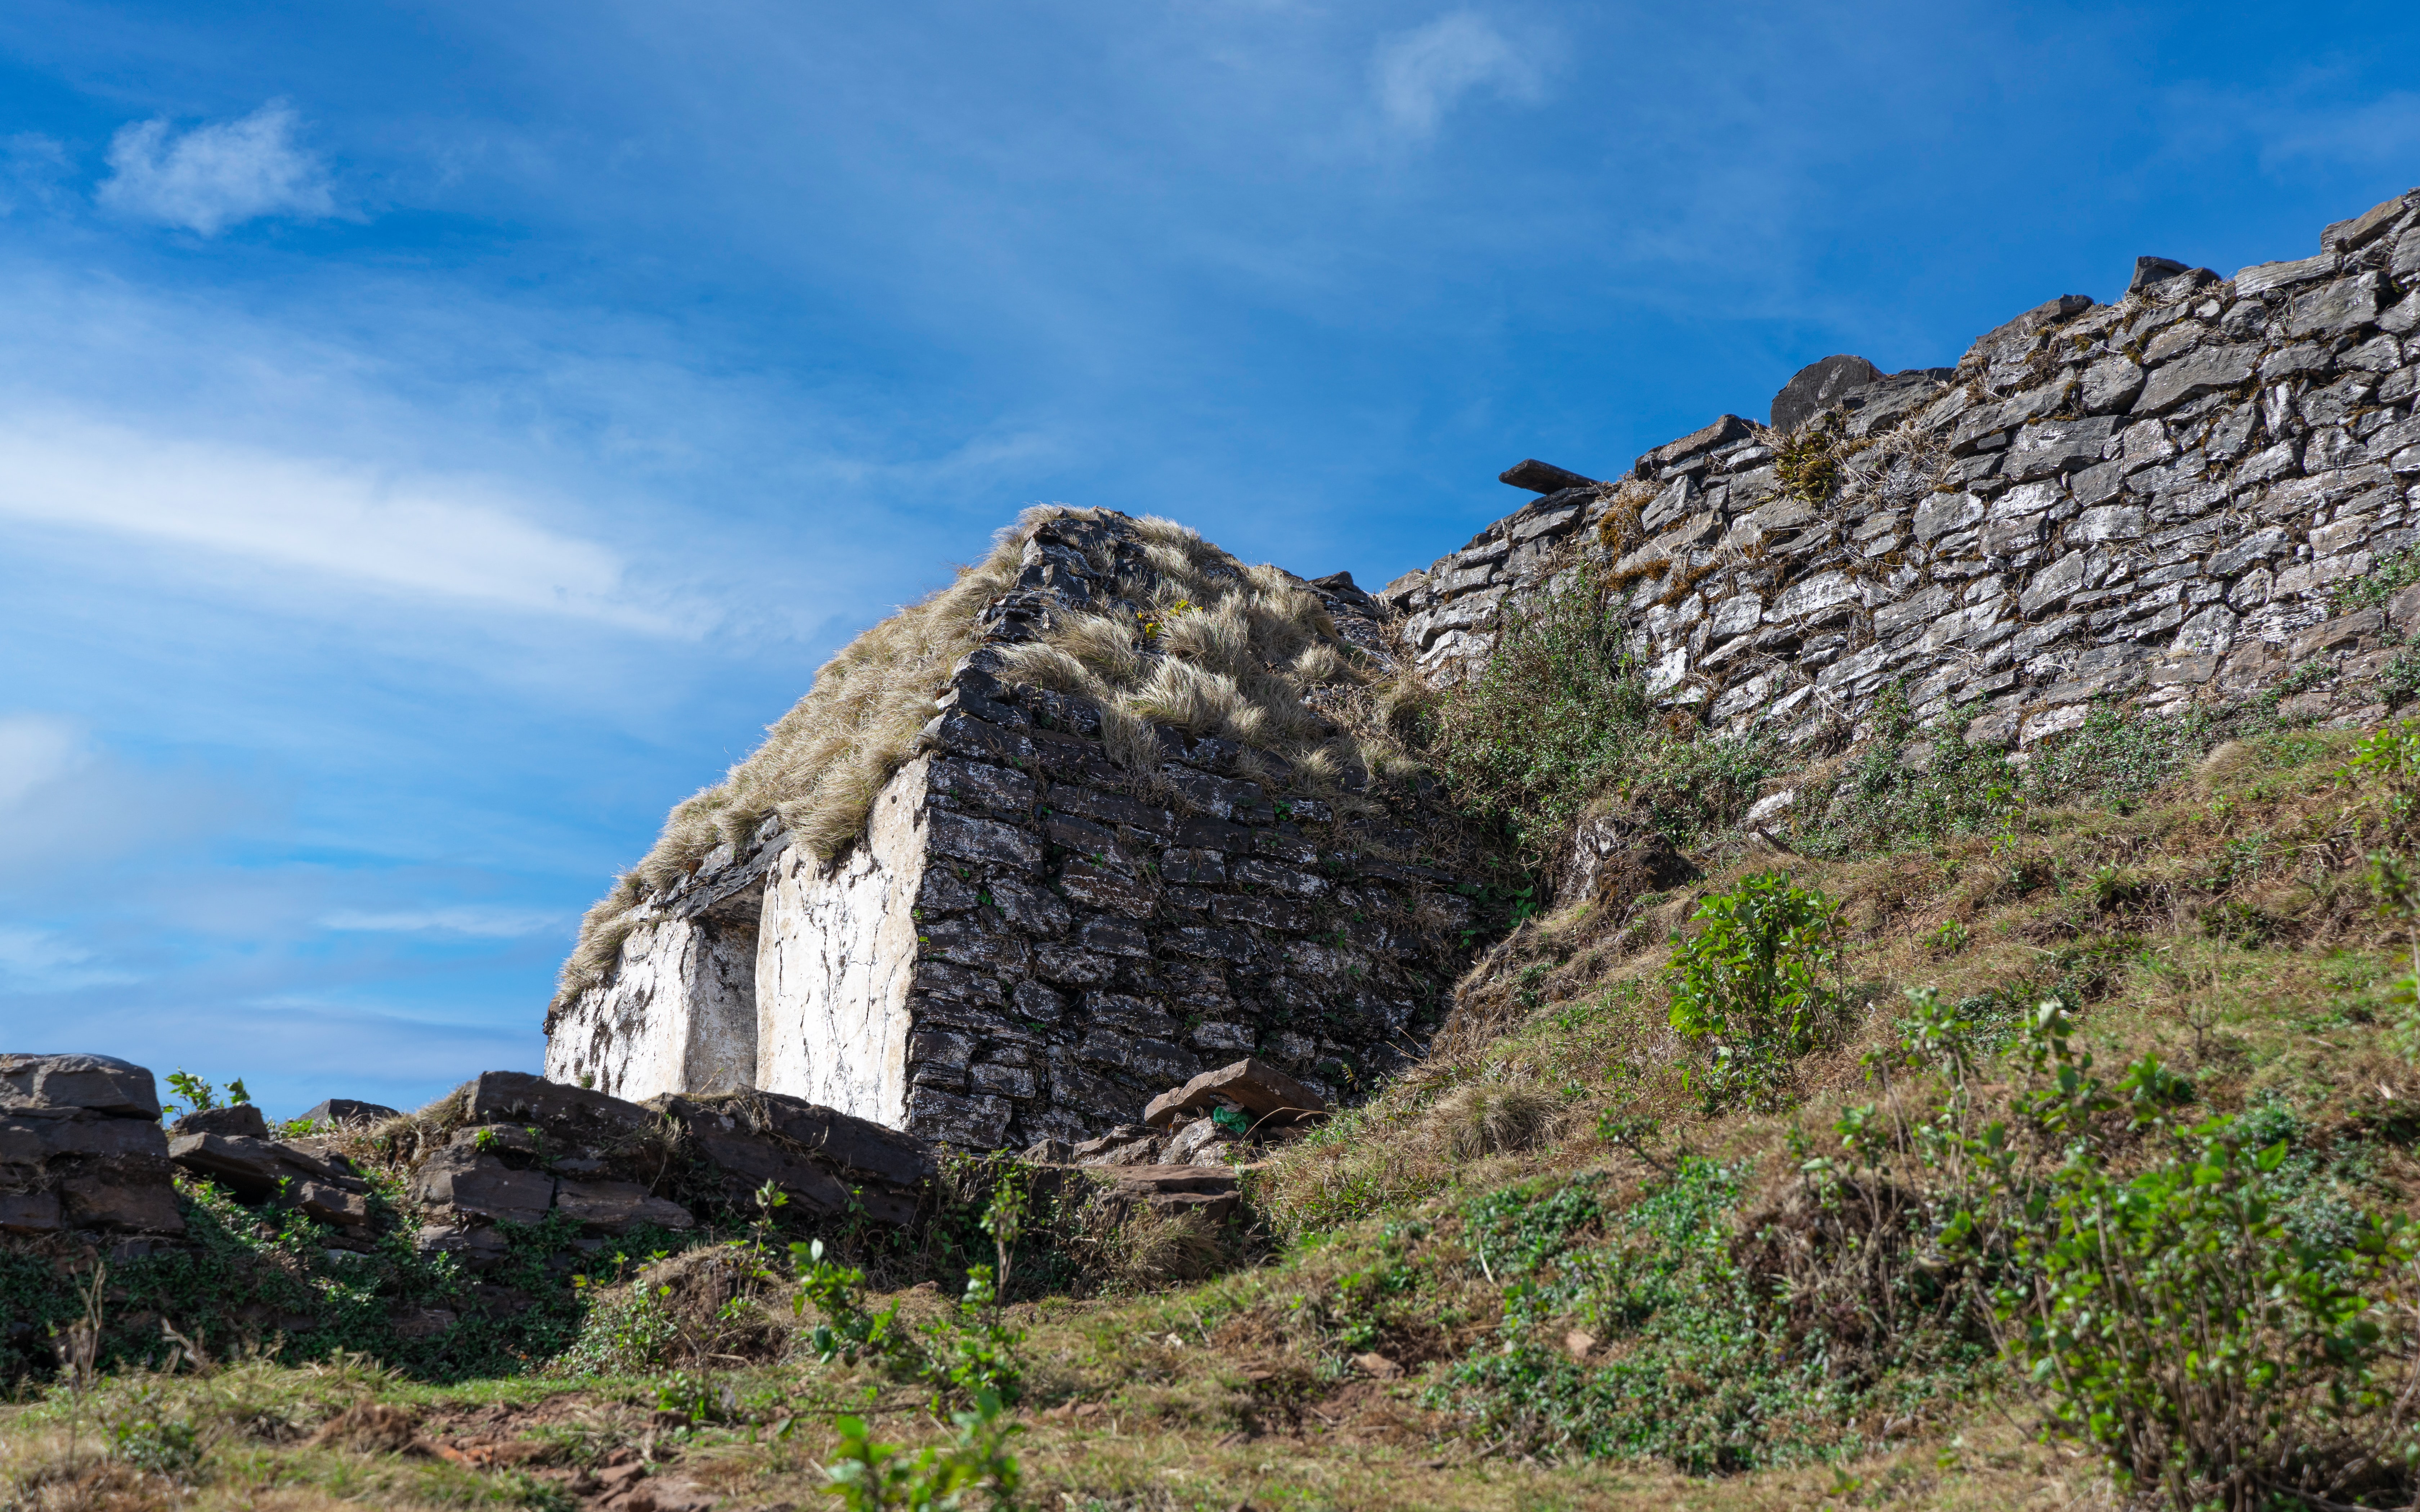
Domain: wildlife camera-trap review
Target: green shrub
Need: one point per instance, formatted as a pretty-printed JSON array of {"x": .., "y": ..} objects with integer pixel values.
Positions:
[
  {"x": 2207, "y": 1316},
  {"x": 240, "y": 1263},
  {"x": 1750, "y": 984},
  {"x": 1884, "y": 804},
  {"x": 2121, "y": 754},
  {"x": 848, "y": 1330},
  {"x": 968, "y": 1352},
  {"x": 2399, "y": 683},
  {"x": 2207, "y": 1350},
  {"x": 142, "y": 1434},
  {"x": 2393, "y": 571},
  {"x": 872, "y": 1477},
  {"x": 621, "y": 1335},
  {"x": 1559, "y": 718},
  {"x": 200, "y": 1095}
]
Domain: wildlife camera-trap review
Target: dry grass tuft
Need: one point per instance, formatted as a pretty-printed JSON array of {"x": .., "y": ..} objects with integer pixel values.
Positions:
[
  {"x": 1155, "y": 1249},
  {"x": 1484, "y": 1118}
]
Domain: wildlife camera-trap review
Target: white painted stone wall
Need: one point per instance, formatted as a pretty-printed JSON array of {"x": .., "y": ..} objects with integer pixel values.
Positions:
[
  {"x": 677, "y": 1015},
  {"x": 835, "y": 957}
]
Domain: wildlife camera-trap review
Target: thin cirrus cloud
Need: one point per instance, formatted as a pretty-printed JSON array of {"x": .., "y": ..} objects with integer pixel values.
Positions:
[
  {"x": 1422, "y": 74},
  {"x": 2384, "y": 129},
  {"x": 40, "y": 961},
  {"x": 469, "y": 920},
  {"x": 35, "y": 750},
  {"x": 217, "y": 175},
  {"x": 423, "y": 536}
]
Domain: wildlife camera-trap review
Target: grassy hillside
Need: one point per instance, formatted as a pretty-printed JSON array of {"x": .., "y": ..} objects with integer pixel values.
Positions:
[{"x": 2017, "y": 1136}]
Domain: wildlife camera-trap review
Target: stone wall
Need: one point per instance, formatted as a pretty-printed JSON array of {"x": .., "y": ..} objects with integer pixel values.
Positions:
[
  {"x": 679, "y": 1014},
  {"x": 80, "y": 1148},
  {"x": 1033, "y": 940},
  {"x": 2163, "y": 501}
]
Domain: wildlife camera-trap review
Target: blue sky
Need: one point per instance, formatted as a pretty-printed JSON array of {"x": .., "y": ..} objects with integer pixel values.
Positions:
[{"x": 434, "y": 438}]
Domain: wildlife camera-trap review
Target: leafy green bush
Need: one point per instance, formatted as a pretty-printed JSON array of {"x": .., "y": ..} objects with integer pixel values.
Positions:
[
  {"x": 143, "y": 1434},
  {"x": 2399, "y": 683},
  {"x": 2210, "y": 1351},
  {"x": 2119, "y": 754},
  {"x": 2395, "y": 570},
  {"x": 848, "y": 1330},
  {"x": 1750, "y": 984},
  {"x": 621, "y": 1335},
  {"x": 874, "y": 1477},
  {"x": 1883, "y": 803},
  {"x": 1560, "y": 717},
  {"x": 200, "y": 1095},
  {"x": 2207, "y": 1316},
  {"x": 969, "y": 1351}
]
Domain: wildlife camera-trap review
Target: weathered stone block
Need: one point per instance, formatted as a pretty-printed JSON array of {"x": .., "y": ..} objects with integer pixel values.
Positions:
[
  {"x": 2207, "y": 371},
  {"x": 618, "y": 1207},
  {"x": 99, "y": 1083},
  {"x": 481, "y": 1187}
]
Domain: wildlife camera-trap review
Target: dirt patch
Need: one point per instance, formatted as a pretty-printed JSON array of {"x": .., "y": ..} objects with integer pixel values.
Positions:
[{"x": 371, "y": 1428}]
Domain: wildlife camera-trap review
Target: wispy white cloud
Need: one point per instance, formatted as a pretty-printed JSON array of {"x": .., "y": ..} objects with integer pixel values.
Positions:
[
  {"x": 2318, "y": 118},
  {"x": 1420, "y": 75},
  {"x": 40, "y": 960},
  {"x": 429, "y": 537},
  {"x": 480, "y": 922},
  {"x": 35, "y": 751},
  {"x": 2380, "y": 130},
  {"x": 33, "y": 167},
  {"x": 217, "y": 175}
]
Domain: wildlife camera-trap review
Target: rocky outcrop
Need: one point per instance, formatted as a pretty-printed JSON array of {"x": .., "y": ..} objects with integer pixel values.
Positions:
[
  {"x": 255, "y": 1169},
  {"x": 2166, "y": 500},
  {"x": 343, "y": 1110},
  {"x": 519, "y": 1149},
  {"x": 1265, "y": 1096},
  {"x": 1032, "y": 936},
  {"x": 81, "y": 1149}
]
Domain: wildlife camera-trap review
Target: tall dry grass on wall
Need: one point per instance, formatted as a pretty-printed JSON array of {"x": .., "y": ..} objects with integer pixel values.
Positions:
[{"x": 1218, "y": 648}]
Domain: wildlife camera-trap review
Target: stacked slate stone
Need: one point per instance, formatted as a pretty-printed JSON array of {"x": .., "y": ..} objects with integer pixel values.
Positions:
[
  {"x": 82, "y": 1152},
  {"x": 232, "y": 1148},
  {"x": 1093, "y": 934},
  {"x": 2160, "y": 500},
  {"x": 526, "y": 1148}
]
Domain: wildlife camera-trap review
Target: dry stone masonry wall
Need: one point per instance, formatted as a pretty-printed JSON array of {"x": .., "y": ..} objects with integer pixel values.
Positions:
[
  {"x": 2165, "y": 499},
  {"x": 1032, "y": 939},
  {"x": 81, "y": 1149}
]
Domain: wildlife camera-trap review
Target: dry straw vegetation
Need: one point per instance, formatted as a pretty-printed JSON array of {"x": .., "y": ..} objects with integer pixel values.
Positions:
[{"x": 1200, "y": 642}]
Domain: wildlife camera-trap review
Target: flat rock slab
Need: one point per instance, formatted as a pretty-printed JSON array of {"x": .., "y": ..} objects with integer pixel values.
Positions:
[
  {"x": 1268, "y": 1094},
  {"x": 98, "y": 1084},
  {"x": 573, "y": 1112},
  {"x": 242, "y": 1118},
  {"x": 346, "y": 1110}
]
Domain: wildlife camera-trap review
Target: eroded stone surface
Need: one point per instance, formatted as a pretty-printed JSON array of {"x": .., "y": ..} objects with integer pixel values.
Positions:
[
  {"x": 2146, "y": 503},
  {"x": 81, "y": 1149}
]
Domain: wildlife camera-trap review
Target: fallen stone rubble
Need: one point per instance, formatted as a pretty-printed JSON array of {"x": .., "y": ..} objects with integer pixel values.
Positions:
[
  {"x": 84, "y": 1158},
  {"x": 1188, "y": 1154},
  {"x": 520, "y": 1149}
]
